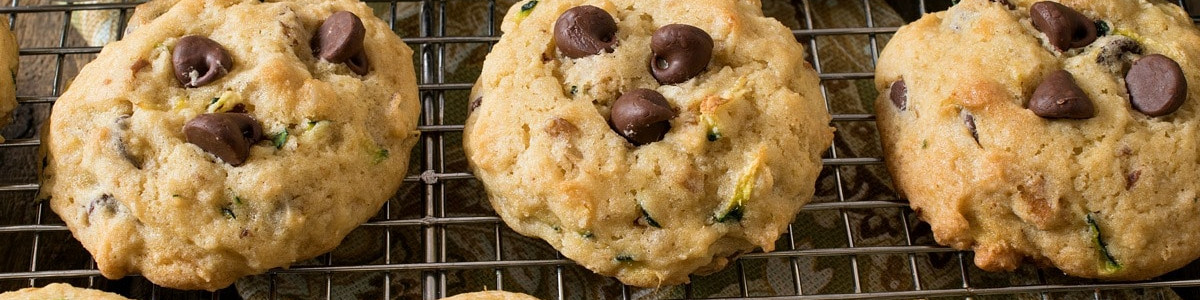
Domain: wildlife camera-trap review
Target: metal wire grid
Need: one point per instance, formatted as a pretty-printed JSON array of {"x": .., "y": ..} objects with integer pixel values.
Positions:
[{"x": 430, "y": 45}]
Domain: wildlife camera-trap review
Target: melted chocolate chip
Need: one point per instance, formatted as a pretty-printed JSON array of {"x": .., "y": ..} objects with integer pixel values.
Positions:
[
  {"x": 237, "y": 108},
  {"x": 228, "y": 136},
  {"x": 128, "y": 155},
  {"x": 1116, "y": 52},
  {"x": 969, "y": 121},
  {"x": 340, "y": 40},
  {"x": 1063, "y": 26},
  {"x": 123, "y": 127},
  {"x": 1006, "y": 4},
  {"x": 359, "y": 64},
  {"x": 475, "y": 104},
  {"x": 642, "y": 116},
  {"x": 1058, "y": 97},
  {"x": 680, "y": 53},
  {"x": 199, "y": 61},
  {"x": 584, "y": 31},
  {"x": 899, "y": 94},
  {"x": 1156, "y": 85},
  {"x": 105, "y": 201},
  {"x": 1131, "y": 179}
]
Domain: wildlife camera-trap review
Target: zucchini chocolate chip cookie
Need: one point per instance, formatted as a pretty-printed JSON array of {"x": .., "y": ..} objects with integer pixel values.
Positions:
[
  {"x": 647, "y": 140},
  {"x": 1065, "y": 134},
  {"x": 223, "y": 138}
]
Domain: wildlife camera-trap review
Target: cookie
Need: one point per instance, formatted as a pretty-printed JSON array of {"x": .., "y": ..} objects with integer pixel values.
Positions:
[
  {"x": 491, "y": 295},
  {"x": 59, "y": 291},
  {"x": 1061, "y": 134},
  {"x": 647, "y": 140},
  {"x": 224, "y": 138},
  {"x": 8, "y": 61}
]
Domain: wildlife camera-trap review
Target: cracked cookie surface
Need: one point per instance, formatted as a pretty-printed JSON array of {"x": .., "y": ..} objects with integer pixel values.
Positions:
[
  {"x": 219, "y": 140},
  {"x": 647, "y": 140},
  {"x": 1059, "y": 133}
]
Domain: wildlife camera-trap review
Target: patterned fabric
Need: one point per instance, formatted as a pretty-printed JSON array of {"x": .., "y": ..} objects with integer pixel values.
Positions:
[
  {"x": 98, "y": 27},
  {"x": 398, "y": 247}
]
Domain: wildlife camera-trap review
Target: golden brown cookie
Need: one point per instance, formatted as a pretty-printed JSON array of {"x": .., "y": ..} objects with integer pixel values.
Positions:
[
  {"x": 223, "y": 138},
  {"x": 1065, "y": 134},
  {"x": 647, "y": 140}
]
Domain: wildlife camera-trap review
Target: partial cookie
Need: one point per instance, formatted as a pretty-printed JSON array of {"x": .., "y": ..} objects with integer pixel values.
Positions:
[
  {"x": 8, "y": 61},
  {"x": 647, "y": 140},
  {"x": 224, "y": 138},
  {"x": 59, "y": 291},
  {"x": 1066, "y": 134},
  {"x": 491, "y": 295}
]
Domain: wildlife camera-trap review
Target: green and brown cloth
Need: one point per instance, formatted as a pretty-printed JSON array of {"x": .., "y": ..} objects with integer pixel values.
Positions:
[{"x": 764, "y": 277}]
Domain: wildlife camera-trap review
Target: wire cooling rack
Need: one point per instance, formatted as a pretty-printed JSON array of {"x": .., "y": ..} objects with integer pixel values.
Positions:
[{"x": 413, "y": 258}]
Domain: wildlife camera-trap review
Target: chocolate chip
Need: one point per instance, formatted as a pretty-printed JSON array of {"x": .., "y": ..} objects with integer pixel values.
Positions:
[
  {"x": 1006, "y": 4},
  {"x": 129, "y": 156},
  {"x": 340, "y": 37},
  {"x": 237, "y": 108},
  {"x": 1065, "y": 27},
  {"x": 899, "y": 94},
  {"x": 340, "y": 40},
  {"x": 1058, "y": 97},
  {"x": 584, "y": 31},
  {"x": 122, "y": 147},
  {"x": 1132, "y": 179},
  {"x": 359, "y": 64},
  {"x": 1156, "y": 85},
  {"x": 226, "y": 135},
  {"x": 1116, "y": 52},
  {"x": 969, "y": 121},
  {"x": 105, "y": 201},
  {"x": 199, "y": 61},
  {"x": 642, "y": 116},
  {"x": 645, "y": 219},
  {"x": 475, "y": 104},
  {"x": 680, "y": 53}
]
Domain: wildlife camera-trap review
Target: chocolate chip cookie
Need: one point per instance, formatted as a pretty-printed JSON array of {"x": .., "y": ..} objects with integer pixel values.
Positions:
[
  {"x": 647, "y": 140},
  {"x": 8, "y": 61},
  {"x": 225, "y": 138},
  {"x": 59, "y": 291},
  {"x": 1059, "y": 133}
]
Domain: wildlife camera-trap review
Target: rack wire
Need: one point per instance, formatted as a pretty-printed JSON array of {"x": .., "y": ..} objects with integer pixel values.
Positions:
[{"x": 37, "y": 249}]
